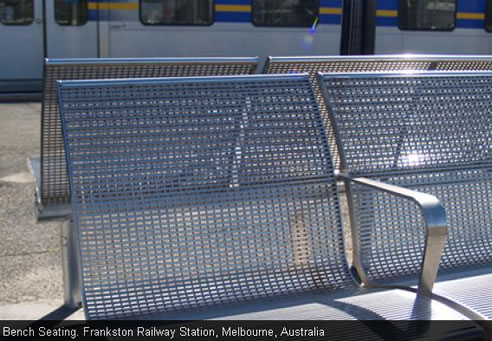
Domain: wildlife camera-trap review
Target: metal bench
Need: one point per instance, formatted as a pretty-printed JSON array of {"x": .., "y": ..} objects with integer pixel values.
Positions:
[
  {"x": 52, "y": 192},
  {"x": 215, "y": 197},
  {"x": 382, "y": 63},
  {"x": 429, "y": 132}
]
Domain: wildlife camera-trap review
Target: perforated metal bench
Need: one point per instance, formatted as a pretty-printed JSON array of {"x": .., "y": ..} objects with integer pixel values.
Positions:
[
  {"x": 214, "y": 197},
  {"x": 52, "y": 190},
  {"x": 429, "y": 132},
  {"x": 382, "y": 63}
]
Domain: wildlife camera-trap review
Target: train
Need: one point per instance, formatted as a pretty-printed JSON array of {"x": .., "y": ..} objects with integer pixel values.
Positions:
[{"x": 31, "y": 30}]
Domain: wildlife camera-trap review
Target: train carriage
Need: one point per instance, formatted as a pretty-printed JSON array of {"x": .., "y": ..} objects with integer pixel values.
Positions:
[{"x": 33, "y": 29}]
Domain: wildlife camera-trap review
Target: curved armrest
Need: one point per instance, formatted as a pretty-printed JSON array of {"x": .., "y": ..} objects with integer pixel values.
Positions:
[{"x": 436, "y": 226}]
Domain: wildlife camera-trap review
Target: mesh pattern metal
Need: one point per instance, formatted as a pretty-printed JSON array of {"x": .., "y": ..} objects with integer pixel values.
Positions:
[
  {"x": 429, "y": 132},
  {"x": 313, "y": 65},
  {"x": 54, "y": 182},
  {"x": 472, "y": 292},
  {"x": 197, "y": 192},
  {"x": 482, "y": 64},
  {"x": 301, "y": 64}
]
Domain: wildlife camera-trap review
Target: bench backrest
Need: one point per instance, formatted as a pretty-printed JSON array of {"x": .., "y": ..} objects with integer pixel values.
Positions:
[
  {"x": 54, "y": 183},
  {"x": 200, "y": 191},
  {"x": 428, "y": 131},
  {"x": 315, "y": 64}
]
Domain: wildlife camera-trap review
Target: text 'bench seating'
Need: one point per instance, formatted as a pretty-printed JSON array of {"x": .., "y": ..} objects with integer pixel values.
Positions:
[
  {"x": 382, "y": 63},
  {"x": 212, "y": 197},
  {"x": 52, "y": 190},
  {"x": 431, "y": 132}
]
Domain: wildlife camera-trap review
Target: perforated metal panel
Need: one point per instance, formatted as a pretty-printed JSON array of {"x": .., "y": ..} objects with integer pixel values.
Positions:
[
  {"x": 470, "y": 290},
  {"x": 54, "y": 183},
  {"x": 196, "y": 192},
  {"x": 431, "y": 132},
  {"x": 313, "y": 65},
  {"x": 464, "y": 64}
]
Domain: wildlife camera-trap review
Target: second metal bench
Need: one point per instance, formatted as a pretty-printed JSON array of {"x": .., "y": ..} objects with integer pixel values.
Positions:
[
  {"x": 52, "y": 192},
  {"x": 382, "y": 63}
]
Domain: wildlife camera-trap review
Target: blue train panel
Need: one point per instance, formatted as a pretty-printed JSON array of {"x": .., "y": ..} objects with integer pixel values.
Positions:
[{"x": 470, "y": 13}]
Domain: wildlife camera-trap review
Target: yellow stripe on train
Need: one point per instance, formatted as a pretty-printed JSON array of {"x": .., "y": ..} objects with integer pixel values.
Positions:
[
  {"x": 330, "y": 10},
  {"x": 473, "y": 16},
  {"x": 132, "y": 6},
  {"x": 233, "y": 8},
  {"x": 247, "y": 9},
  {"x": 122, "y": 6},
  {"x": 459, "y": 15},
  {"x": 386, "y": 13}
]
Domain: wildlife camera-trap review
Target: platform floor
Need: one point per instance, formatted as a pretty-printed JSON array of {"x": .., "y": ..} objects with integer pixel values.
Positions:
[{"x": 30, "y": 255}]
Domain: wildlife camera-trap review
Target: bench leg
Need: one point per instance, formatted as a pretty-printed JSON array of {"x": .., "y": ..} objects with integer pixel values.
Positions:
[
  {"x": 70, "y": 259},
  {"x": 71, "y": 280}
]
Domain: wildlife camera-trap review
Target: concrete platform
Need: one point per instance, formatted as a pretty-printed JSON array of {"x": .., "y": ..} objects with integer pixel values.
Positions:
[
  {"x": 30, "y": 254},
  {"x": 34, "y": 310}
]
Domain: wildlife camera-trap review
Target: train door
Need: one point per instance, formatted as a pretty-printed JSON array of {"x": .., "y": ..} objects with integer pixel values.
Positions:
[
  {"x": 21, "y": 45},
  {"x": 432, "y": 27},
  {"x": 71, "y": 29}
]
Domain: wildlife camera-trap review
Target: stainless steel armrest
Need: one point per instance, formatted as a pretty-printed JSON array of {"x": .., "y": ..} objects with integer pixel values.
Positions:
[{"x": 435, "y": 221}]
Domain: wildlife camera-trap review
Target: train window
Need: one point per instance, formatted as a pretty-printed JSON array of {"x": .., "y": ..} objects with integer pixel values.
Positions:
[
  {"x": 71, "y": 12},
  {"x": 16, "y": 12},
  {"x": 488, "y": 16},
  {"x": 292, "y": 13},
  {"x": 430, "y": 15},
  {"x": 177, "y": 12}
]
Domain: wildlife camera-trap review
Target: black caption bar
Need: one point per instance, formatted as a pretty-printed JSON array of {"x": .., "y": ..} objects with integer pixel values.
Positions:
[{"x": 242, "y": 330}]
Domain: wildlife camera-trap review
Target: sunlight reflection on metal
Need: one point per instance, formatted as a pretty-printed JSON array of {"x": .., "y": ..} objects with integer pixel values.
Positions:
[{"x": 413, "y": 158}]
